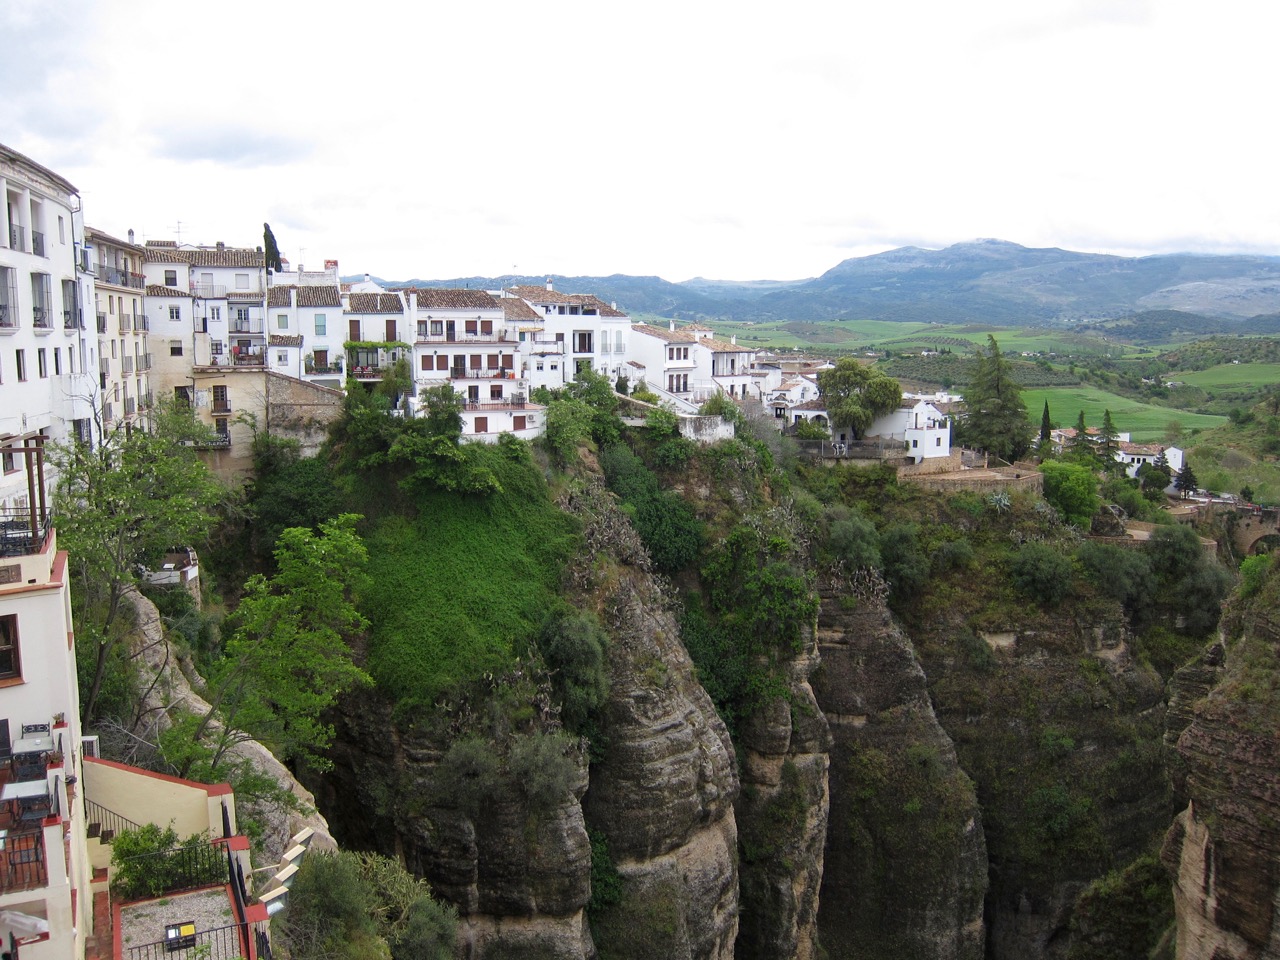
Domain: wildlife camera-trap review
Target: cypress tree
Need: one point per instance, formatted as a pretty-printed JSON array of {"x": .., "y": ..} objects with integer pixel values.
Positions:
[
  {"x": 1046, "y": 427},
  {"x": 272, "y": 251}
]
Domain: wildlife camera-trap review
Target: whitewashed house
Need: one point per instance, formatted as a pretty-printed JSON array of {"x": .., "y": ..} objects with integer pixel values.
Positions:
[{"x": 595, "y": 334}]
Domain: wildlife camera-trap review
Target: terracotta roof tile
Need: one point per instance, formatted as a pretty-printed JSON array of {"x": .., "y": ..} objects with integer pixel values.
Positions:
[
  {"x": 722, "y": 346},
  {"x": 542, "y": 295},
  {"x": 155, "y": 290},
  {"x": 284, "y": 340},
  {"x": 663, "y": 334},
  {"x": 308, "y": 296},
  {"x": 513, "y": 308},
  {"x": 375, "y": 303},
  {"x": 226, "y": 257},
  {"x": 591, "y": 300},
  {"x": 445, "y": 298}
]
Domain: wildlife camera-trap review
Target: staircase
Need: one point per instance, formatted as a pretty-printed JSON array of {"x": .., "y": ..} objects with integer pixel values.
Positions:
[{"x": 104, "y": 824}]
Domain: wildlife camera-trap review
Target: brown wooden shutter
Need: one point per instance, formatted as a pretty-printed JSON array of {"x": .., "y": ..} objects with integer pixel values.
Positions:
[
  {"x": 486, "y": 327},
  {"x": 493, "y": 361},
  {"x": 508, "y": 361},
  {"x": 391, "y": 328},
  {"x": 517, "y": 422},
  {"x": 482, "y": 424},
  {"x": 353, "y": 328},
  {"x": 442, "y": 362},
  {"x": 426, "y": 362}
]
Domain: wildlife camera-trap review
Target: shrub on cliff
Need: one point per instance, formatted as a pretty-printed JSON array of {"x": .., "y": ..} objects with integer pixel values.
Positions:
[{"x": 1042, "y": 573}]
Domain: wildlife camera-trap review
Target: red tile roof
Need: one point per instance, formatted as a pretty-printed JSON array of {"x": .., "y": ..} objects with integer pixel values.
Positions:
[
  {"x": 375, "y": 303},
  {"x": 284, "y": 340},
  {"x": 308, "y": 296},
  {"x": 444, "y": 298},
  {"x": 160, "y": 252},
  {"x": 155, "y": 290},
  {"x": 513, "y": 308},
  {"x": 663, "y": 334}
]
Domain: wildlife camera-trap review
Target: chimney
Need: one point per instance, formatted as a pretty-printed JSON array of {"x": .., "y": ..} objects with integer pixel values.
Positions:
[
  {"x": 221, "y": 246},
  {"x": 734, "y": 340},
  {"x": 671, "y": 325},
  {"x": 613, "y": 304},
  {"x": 550, "y": 285},
  {"x": 366, "y": 276},
  {"x": 131, "y": 234}
]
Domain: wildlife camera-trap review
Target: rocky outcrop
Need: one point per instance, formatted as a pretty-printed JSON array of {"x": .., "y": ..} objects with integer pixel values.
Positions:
[
  {"x": 1223, "y": 850},
  {"x": 662, "y": 791},
  {"x": 517, "y": 872},
  {"x": 171, "y": 688},
  {"x": 782, "y": 817},
  {"x": 905, "y": 866}
]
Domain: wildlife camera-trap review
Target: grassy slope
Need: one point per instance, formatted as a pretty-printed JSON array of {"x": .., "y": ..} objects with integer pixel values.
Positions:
[
  {"x": 455, "y": 589},
  {"x": 1254, "y": 375},
  {"x": 1145, "y": 423}
]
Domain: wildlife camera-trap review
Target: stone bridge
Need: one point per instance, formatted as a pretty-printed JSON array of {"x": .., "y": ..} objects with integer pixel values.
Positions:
[{"x": 1252, "y": 526}]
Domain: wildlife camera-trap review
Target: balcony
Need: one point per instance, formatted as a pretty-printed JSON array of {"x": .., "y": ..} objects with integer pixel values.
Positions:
[
  {"x": 209, "y": 291},
  {"x": 17, "y": 238},
  {"x": 250, "y": 326},
  {"x": 104, "y": 366},
  {"x": 460, "y": 373},
  {"x": 515, "y": 402},
  {"x": 141, "y": 323},
  {"x": 499, "y": 336},
  {"x": 102, "y": 323},
  {"x": 8, "y": 322},
  {"x": 70, "y": 321},
  {"x": 215, "y": 441},
  {"x": 125, "y": 325},
  {"x": 108, "y": 413},
  {"x": 145, "y": 363},
  {"x": 21, "y": 532},
  {"x": 127, "y": 366},
  {"x": 130, "y": 406},
  {"x": 37, "y": 243},
  {"x": 120, "y": 278},
  {"x": 40, "y": 318},
  {"x": 254, "y": 359},
  {"x": 222, "y": 406}
]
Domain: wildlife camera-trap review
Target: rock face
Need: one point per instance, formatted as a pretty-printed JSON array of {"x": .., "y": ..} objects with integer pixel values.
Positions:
[
  {"x": 519, "y": 876},
  {"x": 662, "y": 793},
  {"x": 173, "y": 687},
  {"x": 782, "y": 818},
  {"x": 1223, "y": 850},
  {"x": 905, "y": 867}
]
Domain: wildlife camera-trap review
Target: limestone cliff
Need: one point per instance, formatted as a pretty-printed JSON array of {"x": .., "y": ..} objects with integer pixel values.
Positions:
[
  {"x": 1223, "y": 850},
  {"x": 662, "y": 792},
  {"x": 782, "y": 817},
  {"x": 905, "y": 867}
]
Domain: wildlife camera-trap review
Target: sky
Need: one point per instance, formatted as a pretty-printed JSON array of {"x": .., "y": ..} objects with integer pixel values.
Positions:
[{"x": 729, "y": 140}]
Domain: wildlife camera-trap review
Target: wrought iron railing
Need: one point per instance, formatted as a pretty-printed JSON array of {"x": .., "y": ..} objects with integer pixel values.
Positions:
[
  {"x": 109, "y": 822},
  {"x": 20, "y": 535},
  {"x": 37, "y": 243},
  {"x": 17, "y": 237},
  {"x": 221, "y": 943},
  {"x": 25, "y": 853},
  {"x": 176, "y": 869}
]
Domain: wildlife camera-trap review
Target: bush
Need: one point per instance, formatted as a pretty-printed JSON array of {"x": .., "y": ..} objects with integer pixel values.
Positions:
[
  {"x": 542, "y": 769},
  {"x": 1072, "y": 490},
  {"x": 1042, "y": 573},
  {"x": 1122, "y": 574},
  {"x": 906, "y": 568},
  {"x": 150, "y": 862},
  {"x": 573, "y": 647},
  {"x": 951, "y": 555},
  {"x": 854, "y": 543}
]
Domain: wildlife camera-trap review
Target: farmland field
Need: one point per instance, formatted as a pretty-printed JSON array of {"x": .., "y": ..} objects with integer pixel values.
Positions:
[
  {"x": 1146, "y": 423},
  {"x": 1246, "y": 375}
]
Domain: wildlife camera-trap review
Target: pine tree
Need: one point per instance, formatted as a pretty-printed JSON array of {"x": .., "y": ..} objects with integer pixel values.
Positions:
[
  {"x": 1080, "y": 446},
  {"x": 1046, "y": 426},
  {"x": 272, "y": 251},
  {"x": 1186, "y": 482},
  {"x": 1108, "y": 444},
  {"x": 995, "y": 415}
]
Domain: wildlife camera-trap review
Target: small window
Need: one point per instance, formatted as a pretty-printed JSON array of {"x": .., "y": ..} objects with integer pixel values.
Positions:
[
  {"x": 8, "y": 460},
  {"x": 42, "y": 363},
  {"x": 175, "y": 348},
  {"x": 10, "y": 664},
  {"x": 175, "y": 312},
  {"x": 282, "y": 321},
  {"x": 242, "y": 281},
  {"x": 21, "y": 358},
  {"x": 62, "y": 230},
  {"x": 57, "y": 361},
  {"x": 282, "y": 358},
  {"x": 321, "y": 325},
  {"x": 216, "y": 347},
  {"x": 171, "y": 278},
  {"x": 222, "y": 426},
  {"x": 215, "y": 313},
  {"x": 495, "y": 391}
]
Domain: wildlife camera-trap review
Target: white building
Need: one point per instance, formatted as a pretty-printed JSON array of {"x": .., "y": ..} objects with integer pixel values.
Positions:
[
  {"x": 123, "y": 348},
  {"x": 923, "y": 429},
  {"x": 45, "y": 891},
  {"x": 48, "y": 384},
  {"x": 595, "y": 334},
  {"x": 690, "y": 364},
  {"x": 1134, "y": 455}
]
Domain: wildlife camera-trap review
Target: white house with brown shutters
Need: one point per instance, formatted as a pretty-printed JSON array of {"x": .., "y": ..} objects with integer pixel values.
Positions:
[{"x": 592, "y": 333}]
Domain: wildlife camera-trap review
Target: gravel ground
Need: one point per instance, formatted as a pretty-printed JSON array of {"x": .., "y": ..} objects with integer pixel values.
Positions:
[{"x": 143, "y": 923}]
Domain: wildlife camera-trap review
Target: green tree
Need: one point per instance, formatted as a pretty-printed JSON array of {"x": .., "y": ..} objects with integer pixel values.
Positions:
[
  {"x": 118, "y": 507},
  {"x": 856, "y": 394},
  {"x": 1072, "y": 489},
  {"x": 272, "y": 255},
  {"x": 397, "y": 380},
  {"x": 995, "y": 416},
  {"x": 1186, "y": 483},
  {"x": 288, "y": 659},
  {"x": 1042, "y": 573},
  {"x": 1108, "y": 444},
  {"x": 1080, "y": 446},
  {"x": 1046, "y": 426},
  {"x": 443, "y": 406}
]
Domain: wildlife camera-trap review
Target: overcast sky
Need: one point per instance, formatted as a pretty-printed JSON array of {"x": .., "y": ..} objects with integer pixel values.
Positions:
[{"x": 735, "y": 140}]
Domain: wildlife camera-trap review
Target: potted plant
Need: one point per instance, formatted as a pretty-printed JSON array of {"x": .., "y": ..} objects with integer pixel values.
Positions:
[{"x": 309, "y": 363}]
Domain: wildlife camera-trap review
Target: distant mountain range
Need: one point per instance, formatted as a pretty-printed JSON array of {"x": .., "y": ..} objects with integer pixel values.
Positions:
[{"x": 984, "y": 281}]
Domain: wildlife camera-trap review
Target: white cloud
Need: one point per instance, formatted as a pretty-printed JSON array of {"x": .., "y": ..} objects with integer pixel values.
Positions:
[{"x": 728, "y": 140}]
